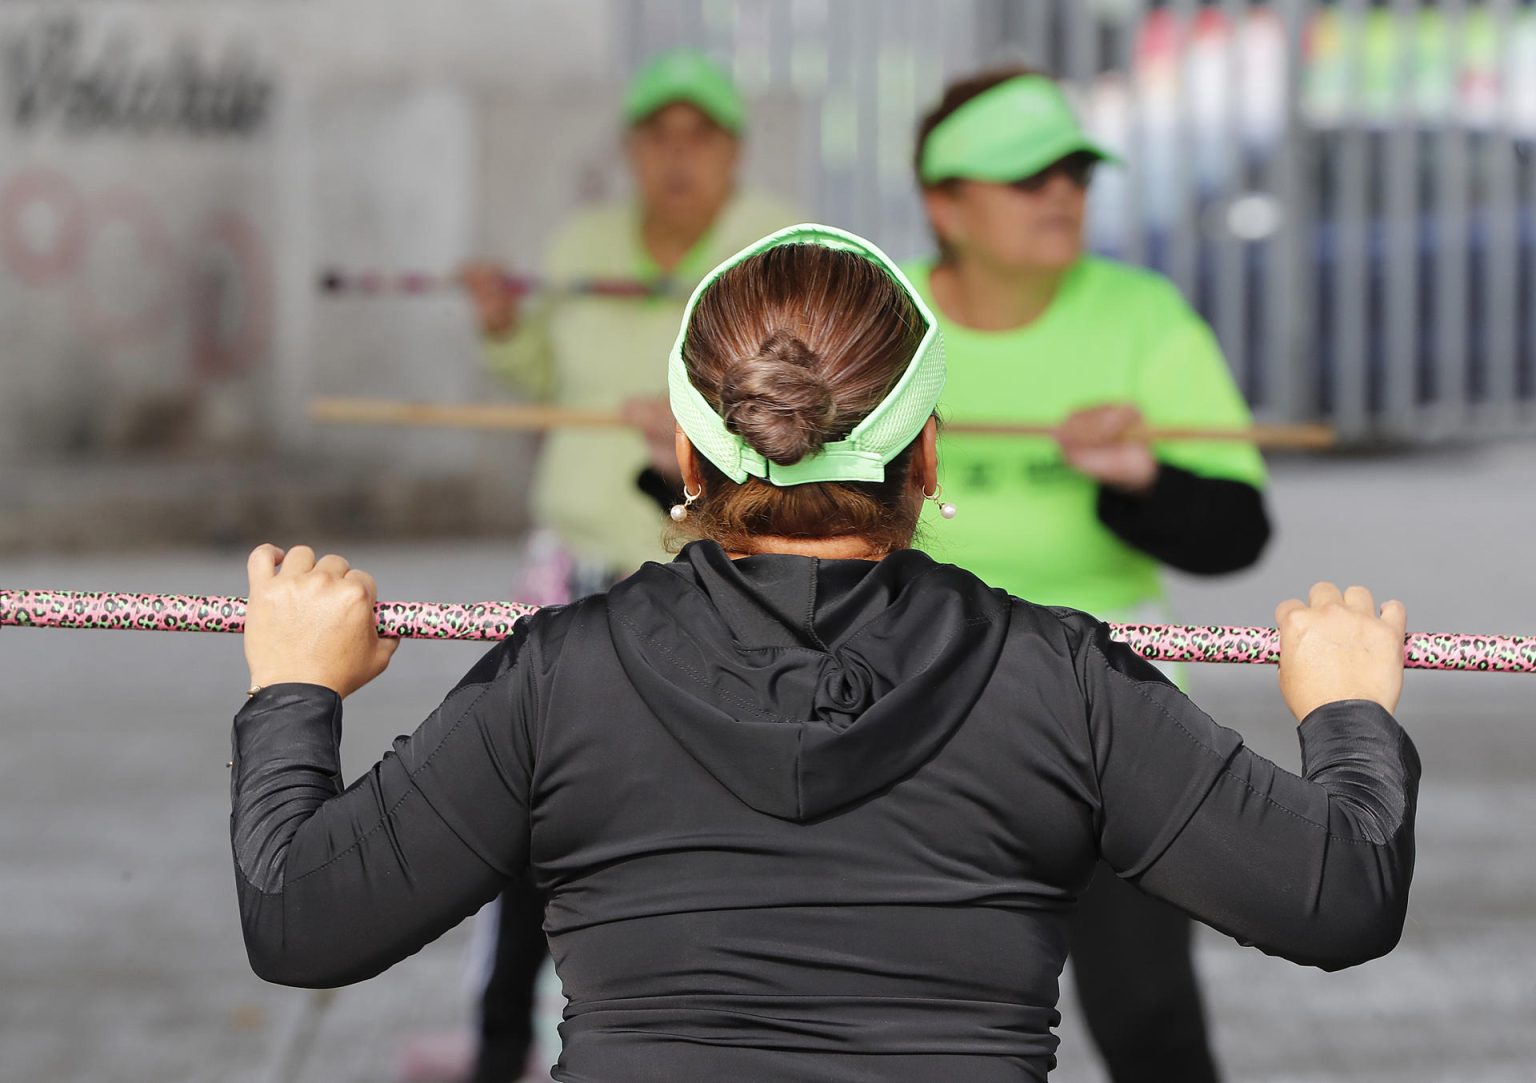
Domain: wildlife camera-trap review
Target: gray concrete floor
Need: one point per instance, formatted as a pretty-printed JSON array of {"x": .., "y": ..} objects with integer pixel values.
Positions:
[{"x": 120, "y": 954}]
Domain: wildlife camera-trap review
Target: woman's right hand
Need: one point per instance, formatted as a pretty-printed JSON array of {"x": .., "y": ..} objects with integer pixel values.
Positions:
[
  {"x": 652, "y": 416},
  {"x": 495, "y": 302},
  {"x": 1334, "y": 646}
]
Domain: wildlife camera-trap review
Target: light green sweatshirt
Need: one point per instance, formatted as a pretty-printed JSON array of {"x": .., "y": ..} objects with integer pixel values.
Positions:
[{"x": 593, "y": 353}]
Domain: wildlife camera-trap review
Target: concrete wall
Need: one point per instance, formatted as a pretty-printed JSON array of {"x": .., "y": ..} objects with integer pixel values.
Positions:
[
  {"x": 175, "y": 176},
  {"x": 172, "y": 174}
]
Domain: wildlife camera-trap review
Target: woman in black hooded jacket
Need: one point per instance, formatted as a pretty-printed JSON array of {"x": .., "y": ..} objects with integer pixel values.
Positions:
[{"x": 806, "y": 804}]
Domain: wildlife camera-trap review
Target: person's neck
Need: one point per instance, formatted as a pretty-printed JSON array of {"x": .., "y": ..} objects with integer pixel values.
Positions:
[
  {"x": 824, "y": 548},
  {"x": 669, "y": 240},
  {"x": 988, "y": 299}
]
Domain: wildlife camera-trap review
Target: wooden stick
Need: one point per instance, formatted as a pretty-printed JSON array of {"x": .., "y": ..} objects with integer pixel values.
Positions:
[
  {"x": 298, "y": 1037},
  {"x": 458, "y": 415},
  {"x": 534, "y": 417},
  {"x": 1273, "y": 436}
]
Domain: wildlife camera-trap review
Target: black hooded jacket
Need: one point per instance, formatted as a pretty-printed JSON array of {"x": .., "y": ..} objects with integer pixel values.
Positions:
[{"x": 803, "y": 820}]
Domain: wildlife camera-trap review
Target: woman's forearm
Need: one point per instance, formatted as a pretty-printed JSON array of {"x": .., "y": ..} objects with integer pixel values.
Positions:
[
  {"x": 1315, "y": 869},
  {"x": 1201, "y": 525},
  {"x": 336, "y": 885}
]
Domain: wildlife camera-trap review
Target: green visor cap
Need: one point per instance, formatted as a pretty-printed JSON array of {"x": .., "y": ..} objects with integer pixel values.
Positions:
[
  {"x": 1007, "y": 133},
  {"x": 874, "y": 441},
  {"x": 685, "y": 75}
]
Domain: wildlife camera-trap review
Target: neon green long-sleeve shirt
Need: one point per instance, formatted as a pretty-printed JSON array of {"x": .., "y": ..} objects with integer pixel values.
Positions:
[
  {"x": 1027, "y": 522},
  {"x": 593, "y": 353}
]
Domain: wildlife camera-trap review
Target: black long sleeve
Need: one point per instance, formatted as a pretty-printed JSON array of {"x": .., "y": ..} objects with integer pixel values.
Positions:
[
  {"x": 1201, "y": 525},
  {"x": 1075, "y": 748},
  {"x": 1314, "y": 868},
  {"x": 336, "y": 886},
  {"x": 651, "y": 482}
]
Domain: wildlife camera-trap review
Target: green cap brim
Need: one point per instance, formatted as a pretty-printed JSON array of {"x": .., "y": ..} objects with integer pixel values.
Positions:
[
  {"x": 688, "y": 76},
  {"x": 1007, "y": 133},
  {"x": 882, "y": 435}
]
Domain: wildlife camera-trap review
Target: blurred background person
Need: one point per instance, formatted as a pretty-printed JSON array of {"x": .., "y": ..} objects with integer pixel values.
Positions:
[
  {"x": 596, "y": 491},
  {"x": 682, "y": 144},
  {"x": 1039, "y": 331}
]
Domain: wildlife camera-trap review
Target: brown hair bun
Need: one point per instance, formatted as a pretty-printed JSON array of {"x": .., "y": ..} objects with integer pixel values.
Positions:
[{"x": 779, "y": 401}]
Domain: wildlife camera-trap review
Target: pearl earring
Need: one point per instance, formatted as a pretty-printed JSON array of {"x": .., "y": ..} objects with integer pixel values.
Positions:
[
  {"x": 946, "y": 509},
  {"x": 679, "y": 512}
]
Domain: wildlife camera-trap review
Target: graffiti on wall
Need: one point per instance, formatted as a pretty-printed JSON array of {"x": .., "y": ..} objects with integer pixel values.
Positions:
[
  {"x": 130, "y": 150},
  {"x": 214, "y": 268},
  {"x": 51, "y": 79}
]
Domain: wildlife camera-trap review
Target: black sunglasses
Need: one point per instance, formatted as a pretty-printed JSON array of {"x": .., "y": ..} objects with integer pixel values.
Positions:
[{"x": 1077, "y": 168}]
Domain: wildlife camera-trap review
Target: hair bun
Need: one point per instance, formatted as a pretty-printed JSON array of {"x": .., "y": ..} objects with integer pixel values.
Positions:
[{"x": 778, "y": 401}]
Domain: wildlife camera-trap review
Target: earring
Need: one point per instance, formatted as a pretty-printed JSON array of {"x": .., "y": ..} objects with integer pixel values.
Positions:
[
  {"x": 945, "y": 509},
  {"x": 679, "y": 512}
]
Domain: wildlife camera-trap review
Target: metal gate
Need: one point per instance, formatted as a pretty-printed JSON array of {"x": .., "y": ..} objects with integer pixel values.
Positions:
[{"x": 1346, "y": 190}]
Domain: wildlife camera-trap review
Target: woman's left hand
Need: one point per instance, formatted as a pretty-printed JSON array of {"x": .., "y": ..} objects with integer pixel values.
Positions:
[
  {"x": 1107, "y": 444},
  {"x": 312, "y": 621}
]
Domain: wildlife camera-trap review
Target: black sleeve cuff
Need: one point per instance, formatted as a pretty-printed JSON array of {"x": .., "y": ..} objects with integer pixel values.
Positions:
[
  {"x": 286, "y": 754},
  {"x": 1205, "y": 526},
  {"x": 1356, "y": 748},
  {"x": 650, "y": 482},
  {"x": 293, "y": 706}
]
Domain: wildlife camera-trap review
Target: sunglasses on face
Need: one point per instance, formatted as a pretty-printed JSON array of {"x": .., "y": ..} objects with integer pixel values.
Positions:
[{"x": 1077, "y": 168}]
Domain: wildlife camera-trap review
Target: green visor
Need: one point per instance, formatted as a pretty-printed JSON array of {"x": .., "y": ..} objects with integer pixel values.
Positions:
[
  {"x": 874, "y": 441},
  {"x": 1005, "y": 134},
  {"x": 685, "y": 75}
]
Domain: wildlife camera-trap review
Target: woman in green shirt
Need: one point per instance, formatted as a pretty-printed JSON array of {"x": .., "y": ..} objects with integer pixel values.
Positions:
[
  {"x": 1039, "y": 331},
  {"x": 684, "y": 121}
]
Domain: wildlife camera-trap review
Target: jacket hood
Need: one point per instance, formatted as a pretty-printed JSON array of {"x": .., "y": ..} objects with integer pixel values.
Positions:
[{"x": 804, "y": 685}]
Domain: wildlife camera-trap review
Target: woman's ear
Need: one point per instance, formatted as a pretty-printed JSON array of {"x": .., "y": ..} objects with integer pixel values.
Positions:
[
  {"x": 925, "y": 461},
  {"x": 688, "y": 462},
  {"x": 943, "y": 212}
]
